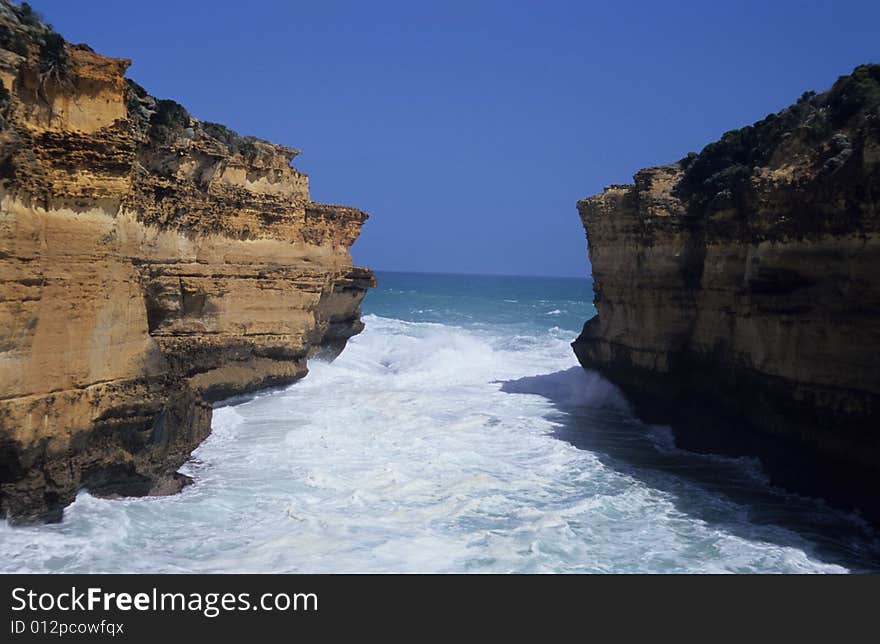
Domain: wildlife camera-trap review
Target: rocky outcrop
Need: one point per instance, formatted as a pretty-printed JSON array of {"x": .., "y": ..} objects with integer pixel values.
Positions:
[
  {"x": 150, "y": 264},
  {"x": 740, "y": 289}
]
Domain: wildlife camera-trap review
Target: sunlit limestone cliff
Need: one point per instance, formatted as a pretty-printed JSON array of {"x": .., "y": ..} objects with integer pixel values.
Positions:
[
  {"x": 739, "y": 289},
  {"x": 150, "y": 264}
]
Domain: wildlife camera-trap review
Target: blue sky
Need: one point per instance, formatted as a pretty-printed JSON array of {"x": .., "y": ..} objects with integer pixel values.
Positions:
[{"x": 468, "y": 130}]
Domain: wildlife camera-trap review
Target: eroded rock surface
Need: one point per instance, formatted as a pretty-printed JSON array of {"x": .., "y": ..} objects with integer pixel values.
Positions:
[
  {"x": 741, "y": 286},
  {"x": 150, "y": 264}
]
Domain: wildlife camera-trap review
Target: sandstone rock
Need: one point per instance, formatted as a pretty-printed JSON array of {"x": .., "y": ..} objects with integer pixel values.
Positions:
[
  {"x": 150, "y": 264},
  {"x": 739, "y": 287}
]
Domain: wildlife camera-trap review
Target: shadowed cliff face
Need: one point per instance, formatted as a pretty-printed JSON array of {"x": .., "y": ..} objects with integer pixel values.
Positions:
[
  {"x": 738, "y": 288},
  {"x": 150, "y": 264}
]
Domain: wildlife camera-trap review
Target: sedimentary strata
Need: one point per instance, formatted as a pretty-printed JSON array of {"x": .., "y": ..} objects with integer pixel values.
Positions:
[
  {"x": 740, "y": 287},
  {"x": 150, "y": 264}
]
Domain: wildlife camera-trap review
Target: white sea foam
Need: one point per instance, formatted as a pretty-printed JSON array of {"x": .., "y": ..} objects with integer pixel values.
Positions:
[{"x": 422, "y": 448}]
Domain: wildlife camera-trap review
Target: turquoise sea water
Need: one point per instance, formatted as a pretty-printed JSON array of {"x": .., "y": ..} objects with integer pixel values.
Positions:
[
  {"x": 456, "y": 433},
  {"x": 528, "y": 304}
]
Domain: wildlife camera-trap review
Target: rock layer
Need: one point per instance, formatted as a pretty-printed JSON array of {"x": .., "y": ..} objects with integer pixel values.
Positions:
[
  {"x": 739, "y": 289},
  {"x": 150, "y": 265}
]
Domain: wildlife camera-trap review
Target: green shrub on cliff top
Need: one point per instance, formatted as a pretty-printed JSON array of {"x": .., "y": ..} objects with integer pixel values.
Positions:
[
  {"x": 13, "y": 40},
  {"x": 168, "y": 120},
  {"x": 31, "y": 30},
  {"x": 858, "y": 92},
  {"x": 234, "y": 142},
  {"x": 53, "y": 56},
  {"x": 28, "y": 16},
  {"x": 170, "y": 114},
  {"x": 723, "y": 167}
]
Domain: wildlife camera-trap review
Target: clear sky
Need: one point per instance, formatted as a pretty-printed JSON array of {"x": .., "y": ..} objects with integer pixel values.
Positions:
[{"x": 468, "y": 130}]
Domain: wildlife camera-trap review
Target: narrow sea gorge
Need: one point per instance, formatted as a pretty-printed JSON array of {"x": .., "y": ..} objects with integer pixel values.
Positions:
[{"x": 456, "y": 433}]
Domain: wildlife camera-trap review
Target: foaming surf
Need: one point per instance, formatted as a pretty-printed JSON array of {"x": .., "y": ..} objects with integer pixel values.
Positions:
[{"x": 431, "y": 447}]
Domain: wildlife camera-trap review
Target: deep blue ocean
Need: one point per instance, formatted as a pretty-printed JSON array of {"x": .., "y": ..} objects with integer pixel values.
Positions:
[{"x": 457, "y": 433}]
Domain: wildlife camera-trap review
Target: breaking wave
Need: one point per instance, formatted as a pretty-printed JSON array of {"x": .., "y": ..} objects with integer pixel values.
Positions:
[{"x": 428, "y": 447}]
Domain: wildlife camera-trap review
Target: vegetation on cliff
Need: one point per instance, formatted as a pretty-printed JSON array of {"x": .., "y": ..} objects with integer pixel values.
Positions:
[
  {"x": 150, "y": 264},
  {"x": 738, "y": 289},
  {"x": 24, "y": 29},
  {"x": 820, "y": 132}
]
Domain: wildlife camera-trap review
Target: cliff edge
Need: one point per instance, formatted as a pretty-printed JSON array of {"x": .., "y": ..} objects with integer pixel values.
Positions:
[
  {"x": 150, "y": 264},
  {"x": 739, "y": 289}
]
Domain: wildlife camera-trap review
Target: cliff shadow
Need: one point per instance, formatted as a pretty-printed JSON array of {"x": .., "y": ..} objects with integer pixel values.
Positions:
[{"x": 732, "y": 493}]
